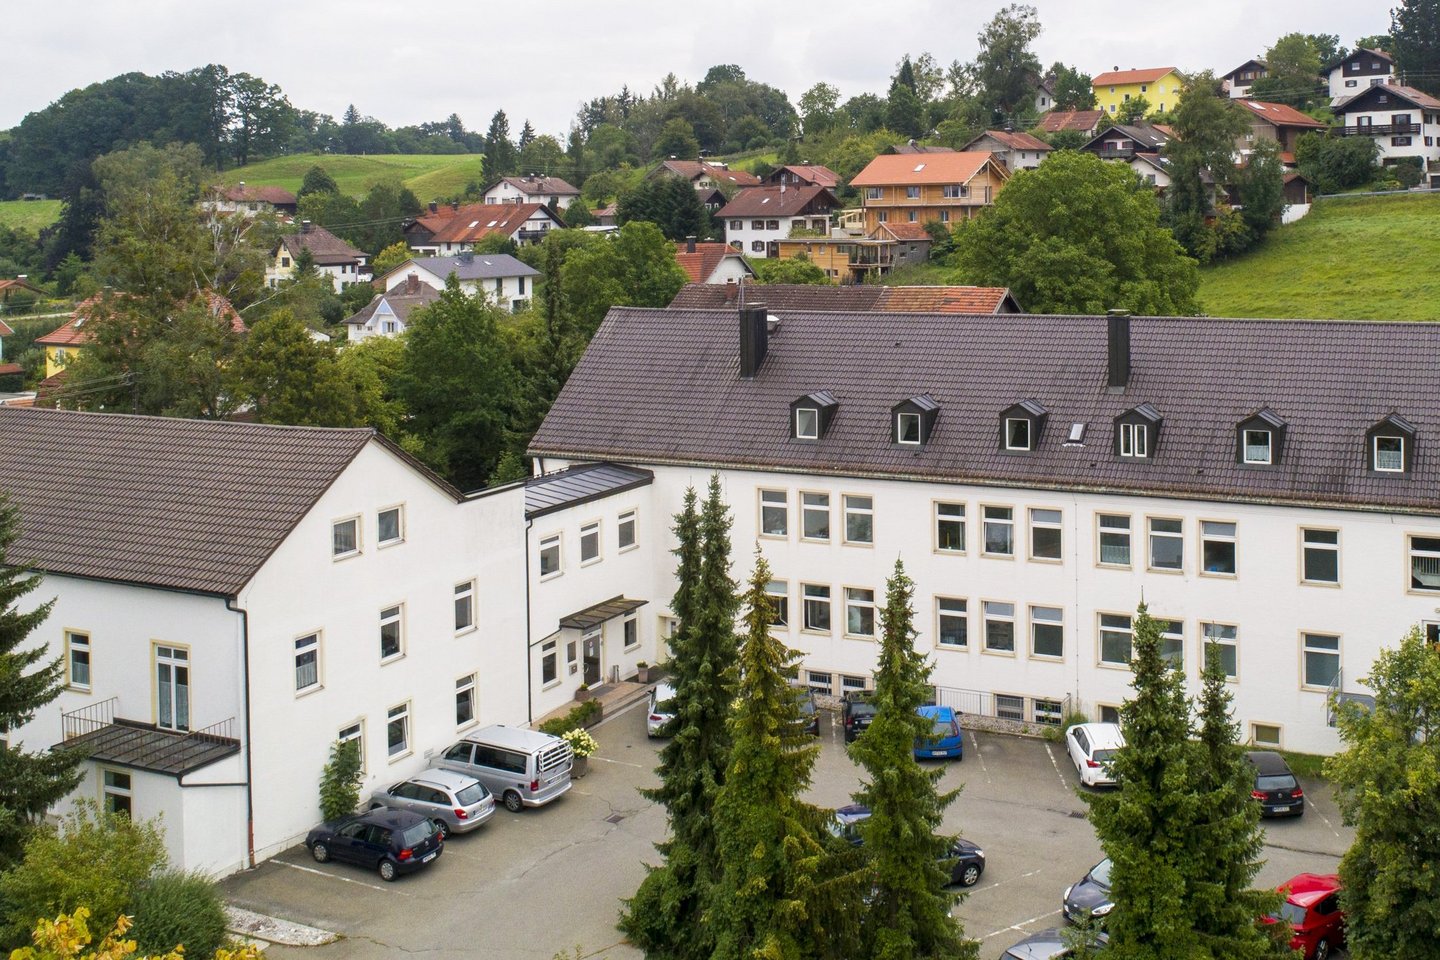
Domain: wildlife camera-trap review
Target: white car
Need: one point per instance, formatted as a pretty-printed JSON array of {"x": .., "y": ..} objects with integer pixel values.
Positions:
[
  {"x": 660, "y": 714},
  {"x": 1091, "y": 747}
]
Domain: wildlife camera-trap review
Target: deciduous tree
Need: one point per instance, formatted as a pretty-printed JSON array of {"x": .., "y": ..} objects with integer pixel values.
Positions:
[
  {"x": 1415, "y": 30},
  {"x": 634, "y": 267},
  {"x": 1005, "y": 68},
  {"x": 317, "y": 180},
  {"x": 289, "y": 377},
  {"x": 797, "y": 269}
]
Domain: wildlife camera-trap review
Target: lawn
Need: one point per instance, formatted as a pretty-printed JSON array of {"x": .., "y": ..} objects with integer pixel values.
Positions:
[
  {"x": 29, "y": 215},
  {"x": 430, "y": 176},
  {"x": 1352, "y": 258}
]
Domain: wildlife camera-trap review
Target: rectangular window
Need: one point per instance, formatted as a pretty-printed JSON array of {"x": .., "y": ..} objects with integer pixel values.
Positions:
[
  {"x": 807, "y": 423},
  {"x": 881, "y": 216},
  {"x": 550, "y": 556},
  {"x": 397, "y": 730},
  {"x": 774, "y": 513},
  {"x": 859, "y": 612},
  {"x": 354, "y": 734},
  {"x": 1265, "y": 734},
  {"x": 464, "y": 606},
  {"x": 1115, "y": 634},
  {"x": 999, "y": 626},
  {"x": 907, "y": 428},
  {"x": 815, "y": 508},
  {"x": 772, "y": 224},
  {"x": 956, "y": 191},
  {"x": 1045, "y": 534},
  {"x": 1217, "y": 548},
  {"x": 859, "y": 519},
  {"x": 590, "y": 542},
  {"x": 391, "y": 527},
  {"x": 1222, "y": 637},
  {"x": 390, "y": 633},
  {"x": 1390, "y": 454},
  {"x": 1322, "y": 659},
  {"x": 1049, "y": 712},
  {"x": 1425, "y": 563},
  {"x": 625, "y": 530},
  {"x": 78, "y": 645},
  {"x": 1047, "y": 631},
  {"x": 1017, "y": 433},
  {"x": 1134, "y": 440},
  {"x": 1114, "y": 540},
  {"x": 737, "y": 224},
  {"x": 572, "y": 657},
  {"x": 1172, "y": 641},
  {"x": 630, "y": 631},
  {"x": 345, "y": 537},
  {"x": 873, "y": 193},
  {"x": 117, "y": 793},
  {"x": 1321, "y": 562},
  {"x": 465, "y": 700},
  {"x": 817, "y": 607},
  {"x": 999, "y": 531},
  {"x": 850, "y": 684},
  {"x": 1167, "y": 543},
  {"x": 549, "y": 662},
  {"x": 1257, "y": 446},
  {"x": 1008, "y": 707},
  {"x": 950, "y": 527},
  {"x": 954, "y": 625},
  {"x": 821, "y": 683},
  {"x": 307, "y": 662},
  {"x": 778, "y": 592},
  {"x": 757, "y": 224}
]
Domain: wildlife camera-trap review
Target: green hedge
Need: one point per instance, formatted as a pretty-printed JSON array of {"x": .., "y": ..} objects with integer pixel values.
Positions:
[{"x": 586, "y": 714}]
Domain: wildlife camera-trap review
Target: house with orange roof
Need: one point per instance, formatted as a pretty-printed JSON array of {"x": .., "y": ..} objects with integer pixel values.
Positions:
[
  {"x": 1160, "y": 86},
  {"x": 918, "y": 188},
  {"x": 1276, "y": 122},
  {"x": 448, "y": 230},
  {"x": 712, "y": 262},
  {"x": 1017, "y": 150},
  {"x": 66, "y": 342}
]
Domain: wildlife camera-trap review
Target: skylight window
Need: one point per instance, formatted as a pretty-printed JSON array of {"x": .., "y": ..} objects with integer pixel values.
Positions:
[
  {"x": 476, "y": 223},
  {"x": 919, "y": 167},
  {"x": 1077, "y": 434}
]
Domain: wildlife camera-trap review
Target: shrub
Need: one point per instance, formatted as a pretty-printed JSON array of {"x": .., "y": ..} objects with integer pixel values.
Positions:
[
  {"x": 1057, "y": 734},
  {"x": 340, "y": 781},
  {"x": 580, "y": 741},
  {"x": 179, "y": 909},
  {"x": 1407, "y": 171},
  {"x": 584, "y": 715}
]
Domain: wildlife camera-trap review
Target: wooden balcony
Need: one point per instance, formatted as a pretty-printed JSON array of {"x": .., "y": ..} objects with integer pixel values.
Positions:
[{"x": 1379, "y": 130}]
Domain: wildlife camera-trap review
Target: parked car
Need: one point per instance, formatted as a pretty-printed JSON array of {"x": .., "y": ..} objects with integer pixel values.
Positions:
[
  {"x": 1045, "y": 945},
  {"x": 857, "y": 713},
  {"x": 1091, "y": 747},
  {"x": 1312, "y": 908},
  {"x": 945, "y": 739},
  {"x": 524, "y": 768},
  {"x": 1091, "y": 896},
  {"x": 456, "y": 802},
  {"x": 1279, "y": 793},
  {"x": 661, "y": 696},
  {"x": 809, "y": 711},
  {"x": 390, "y": 841},
  {"x": 965, "y": 861}
]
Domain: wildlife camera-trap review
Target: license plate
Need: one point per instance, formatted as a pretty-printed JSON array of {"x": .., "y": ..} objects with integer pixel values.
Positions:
[
  {"x": 1282, "y": 809},
  {"x": 428, "y": 857},
  {"x": 937, "y": 753}
]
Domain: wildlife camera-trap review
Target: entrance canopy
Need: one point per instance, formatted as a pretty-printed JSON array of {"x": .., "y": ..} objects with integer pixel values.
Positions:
[{"x": 593, "y": 616}]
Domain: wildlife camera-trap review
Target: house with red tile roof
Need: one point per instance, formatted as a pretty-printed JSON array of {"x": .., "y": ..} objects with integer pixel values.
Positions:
[
  {"x": 714, "y": 181},
  {"x": 758, "y": 218},
  {"x": 250, "y": 200},
  {"x": 1160, "y": 86},
  {"x": 447, "y": 230},
  {"x": 1082, "y": 121},
  {"x": 1017, "y": 150},
  {"x": 804, "y": 175},
  {"x": 712, "y": 262},
  {"x": 66, "y": 341},
  {"x": 333, "y": 257},
  {"x": 19, "y": 285},
  {"x": 1275, "y": 122},
  {"x": 917, "y": 188}
]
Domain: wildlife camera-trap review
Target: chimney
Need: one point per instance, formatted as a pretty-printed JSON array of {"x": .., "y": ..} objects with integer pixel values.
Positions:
[
  {"x": 412, "y": 284},
  {"x": 242, "y": 184},
  {"x": 455, "y": 205},
  {"x": 690, "y": 243},
  {"x": 1118, "y": 322},
  {"x": 732, "y": 290},
  {"x": 754, "y": 336},
  {"x": 305, "y": 226},
  {"x": 434, "y": 207},
  {"x": 467, "y": 256}
]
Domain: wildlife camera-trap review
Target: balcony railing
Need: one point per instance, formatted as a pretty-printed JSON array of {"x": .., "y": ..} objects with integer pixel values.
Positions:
[
  {"x": 100, "y": 732},
  {"x": 1117, "y": 153},
  {"x": 1379, "y": 129}
]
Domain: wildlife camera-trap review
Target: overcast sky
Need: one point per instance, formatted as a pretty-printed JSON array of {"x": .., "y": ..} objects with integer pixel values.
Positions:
[{"x": 406, "y": 63}]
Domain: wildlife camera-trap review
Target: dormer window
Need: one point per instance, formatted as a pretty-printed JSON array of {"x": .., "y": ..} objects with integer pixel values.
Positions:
[
  {"x": 1257, "y": 446},
  {"x": 1389, "y": 454},
  {"x": 1137, "y": 432},
  {"x": 907, "y": 427},
  {"x": 1017, "y": 433},
  {"x": 1021, "y": 425},
  {"x": 1134, "y": 440},
  {"x": 1260, "y": 439},
  {"x": 810, "y": 415},
  {"x": 1391, "y": 445},
  {"x": 807, "y": 423},
  {"x": 913, "y": 420}
]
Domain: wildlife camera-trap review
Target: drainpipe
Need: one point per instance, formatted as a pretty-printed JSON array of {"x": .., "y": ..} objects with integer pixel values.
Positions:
[
  {"x": 529, "y": 684},
  {"x": 249, "y": 734}
]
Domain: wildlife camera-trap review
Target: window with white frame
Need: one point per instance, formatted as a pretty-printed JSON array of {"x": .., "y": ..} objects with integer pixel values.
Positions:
[
  {"x": 774, "y": 513},
  {"x": 590, "y": 542},
  {"x": 1009, "y": 707},
  {"x": 912, "y": 193},
  {"x": 1321, "y": 560},
  {"x": 815, "y": 516},
  {"x": 874, "y": 193},
  {"x": 1047, "y": 631},
  {"x": 1265, "y": 734},
  {"x": 390, "y": 526},
  {"x": 1321, "y": 659},
  {"x": 549, "y": 662},
  {"x": 1045, "y": 534},
  {"x": 907, "y": 428},
  {"x": 550, "y": 556},
  {"x": 954, "y": 622},
  {"x": 345, "y": 537},
  {"x": 464, "y": 606},
  {"x": 397, "y": 730},
  {"x": 630, "y": 631},
  {"x": 1134, "y": 440},
  {"x": 999, "y": 531},
  {"x": 1389, "y": 454},
  {"x": 859, "y": 519},
  {"x": 956, "y": 191},
  {"x": 859, "y": 612},
  {"x": 817, "y": 607},
  {"x": 1217, "y": 547},
  {"x": 1172, "y": 641},
  {"x": 819, "y": 682},
  {"x": 999, "y": 626},
  {"x": 849, "y": 684},
  {"x": 117, "y": 795},
  {"x": 353, "y": 738},
  {"x": 1017, "y": 433},
  {"x": 1425, "y": 563},
  {"x": 950, "y": 527},
  {"x": 465, "y": 700},
  {"x": 807, "y": 423},
  {"x": 391, "y": 630},
  {"x": 307, "y": 662},
  {"x": 1223, "y": 638},
  {"x": 1167, "y": 543},
  {"x": 625, "y": 530},
  {"x": 1257, "y": 445},
  {"x": 778, "y": 593},
  {"x": 1114, "y": 540},
  {"x": 1116, "y": 633},
  {"x": 77, "y": 647}
]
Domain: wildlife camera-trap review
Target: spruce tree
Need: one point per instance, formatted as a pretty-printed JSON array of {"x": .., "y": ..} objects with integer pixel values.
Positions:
[
  {"x": 1147, "y": 825},
  {"x": 29, "y": 782},
  {"x": 909, "y": 912}
]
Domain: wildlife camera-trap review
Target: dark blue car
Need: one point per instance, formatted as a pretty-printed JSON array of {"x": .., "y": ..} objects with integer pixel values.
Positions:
[
  {"x": 946, "y": 739},
  {"x": 390, "y": 841}
]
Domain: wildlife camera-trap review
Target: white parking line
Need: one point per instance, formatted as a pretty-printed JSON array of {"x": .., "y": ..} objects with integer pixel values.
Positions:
[
  {"x": 1326, "y": 819},
  {"x": 1020, "y": 927},
  {"x": 1051, "y": 754},
  {"x": 623, "y": 763},
  {"x": 332, "y": 876},
  {"x": 976, "y": 745},
  {"x": 1001, "y": 883}
]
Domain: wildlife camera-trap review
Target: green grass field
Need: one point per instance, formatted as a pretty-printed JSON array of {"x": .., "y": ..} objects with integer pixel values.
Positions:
[
  {"x": 430, "y": 176},
  {"x": 29, "y": 215},
  {"x": 1354, "y": 258}
]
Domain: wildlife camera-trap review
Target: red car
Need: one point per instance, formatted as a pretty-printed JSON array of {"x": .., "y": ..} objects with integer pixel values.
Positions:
[{"x": 1312, "y": 908}]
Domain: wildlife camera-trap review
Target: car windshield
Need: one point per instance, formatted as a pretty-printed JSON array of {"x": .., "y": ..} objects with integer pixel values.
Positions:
[
  {"x": 1101, "y": 873},
  {"x": 1281, "y": 781},
  {"x": 417, "y": 834},
  {"x": 472, "y": 794},
  {"x": 862, "y": 708}
]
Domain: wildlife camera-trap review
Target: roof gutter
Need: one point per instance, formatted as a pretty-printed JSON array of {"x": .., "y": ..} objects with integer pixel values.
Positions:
[{"x": 249, "y": 734}]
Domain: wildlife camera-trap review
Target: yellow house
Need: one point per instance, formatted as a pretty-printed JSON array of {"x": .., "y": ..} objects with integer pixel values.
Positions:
[
  {"x": 1160, "y": 86},
  {"x": 65, "y": 343}
]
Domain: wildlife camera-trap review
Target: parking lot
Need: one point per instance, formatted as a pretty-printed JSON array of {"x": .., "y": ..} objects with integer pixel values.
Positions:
[{"x": 532, "y": 884}]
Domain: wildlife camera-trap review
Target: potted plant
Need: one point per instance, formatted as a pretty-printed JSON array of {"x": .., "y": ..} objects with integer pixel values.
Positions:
[
  {"x": 582, "y": 692},
  {"x": 583, "y": 745},
  {"x": 642, "y": 672}
]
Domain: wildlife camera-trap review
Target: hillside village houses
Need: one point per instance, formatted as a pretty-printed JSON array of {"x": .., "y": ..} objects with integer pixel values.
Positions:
[
  {"x": 552, "y": 191},
  {"x": 1018, "y": 151},
  {"x": 759, "y": 217},
  {"x": 250, "y": 200},
  {"x": 454, "y": 228},
  {"x": 713, "y": 180},
  {"x": 388, "y": 314},
  {"x": 716, "y": 263},
  {"x": 1358, "y": 71},
  {"x": 507, "y": 281},
  {"x": 1238, "y": 82},
  {"x": 333, "y": 257},
  {"x": 1403, "y": 122},
  {"x": 918, "y": 188},
  {"x": 1160, "y": 86}
]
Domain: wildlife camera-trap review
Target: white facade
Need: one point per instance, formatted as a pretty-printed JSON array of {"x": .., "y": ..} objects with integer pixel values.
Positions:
[
  {"x": 759, "y": 237},
  {"x": 730, "y": 270},
  {"x": 1361, "y": 70},
  {"x": 383, "y": 322},
  {"x": 511, "y": 293},
  {"x": 282, "y": 267},
  {"x": 507, "y": 191},
  {"x": 1402, "y": 129}
]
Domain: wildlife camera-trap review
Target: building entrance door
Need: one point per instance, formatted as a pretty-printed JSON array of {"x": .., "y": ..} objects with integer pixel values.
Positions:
[{"x": 590, "y": 653}]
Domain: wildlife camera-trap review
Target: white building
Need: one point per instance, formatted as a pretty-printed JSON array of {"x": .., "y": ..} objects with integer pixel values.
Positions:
[
  {"x": 1018, "y": 151},
  {"x": 508, "y": 281},
  {"x": 333, "y": 257},
  {"x": 552, "y": 191},
  {"x": 715, "y": 263},
  {"x": 758, "y": 218},
  {"x": 1358, "y": 71},
  {"x": 388, "y": 314},
  {"x": 250, "y": 200},
  {"x": 1237, "y": 82},
  {"x": 1403, "y": 121}
]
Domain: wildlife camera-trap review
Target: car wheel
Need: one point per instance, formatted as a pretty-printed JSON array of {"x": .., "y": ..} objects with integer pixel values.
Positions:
[
  {"x": 513, "y": 802},
  {"x": 970, "y": 875},
  {"x": 387, "y": 870},
  {"x": 443, "y": 829},
  {"x": 1322, "y": 950},
  {"x": 320, "y": 852}
]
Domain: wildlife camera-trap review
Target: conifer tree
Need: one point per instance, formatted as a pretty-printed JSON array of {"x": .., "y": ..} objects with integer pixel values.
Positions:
[{"x": 909, "y": 912}]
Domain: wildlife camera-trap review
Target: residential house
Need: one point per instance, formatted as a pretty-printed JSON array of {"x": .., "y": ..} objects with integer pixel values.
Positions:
[
  {"x": 1238, "y": 82},
  {"x": 1357, "y": 72},
  {"x": 910, "y": 147},
  {"x": 20, "y": 288},
  {"x": 782, "y": 298},
  {"x": 1081, "y": 121},
  {"x": 1044, "y": 94},
  {"x": 1403, "y": 122},
  {"x": 851, "y": 259},
  {"x": 757, "y": 218},
  {"x": 551, "y": 191},
  {"x": 1018, "y": 151},
  {"x": 455, "y": 228},
  {"x": 712, "y": 180},
  {"x": 804, "y": 175},
  {"x": 717, "y": 263},
  {"x": 333, "y": 257},
  {"x": 1278, "y": 123},
  {"x": 1040, "y": 481},
  {"x": 249, "y": 200},
  {"x": 1122, "y": 141},
  {"x": 508, "y": 282},
  {"x": 1160, "y": 86},
  {"x": 902, "y": 188},
  {"x": 389, "y": 313},
  {"x": 67, "y": 341},
  {"x": 607, "y": 216},
  {"x": 1153, "y": 168}
]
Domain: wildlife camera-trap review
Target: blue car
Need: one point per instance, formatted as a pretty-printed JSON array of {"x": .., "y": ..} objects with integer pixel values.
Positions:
[{"x": 946, "y": 739}]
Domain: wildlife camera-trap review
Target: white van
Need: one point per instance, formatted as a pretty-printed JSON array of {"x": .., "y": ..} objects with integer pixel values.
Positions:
[{"x": 524, "y": 768}]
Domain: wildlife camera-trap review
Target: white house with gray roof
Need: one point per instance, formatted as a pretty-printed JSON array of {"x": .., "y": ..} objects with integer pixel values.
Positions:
[{"x": 507, "y": 280}]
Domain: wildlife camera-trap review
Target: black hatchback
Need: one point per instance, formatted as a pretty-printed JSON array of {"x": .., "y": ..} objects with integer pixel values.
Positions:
[
  {"x": 1279, "y": 793},
  {"x": 859, "y": 711},
  {"x": 390, "y": 841}
]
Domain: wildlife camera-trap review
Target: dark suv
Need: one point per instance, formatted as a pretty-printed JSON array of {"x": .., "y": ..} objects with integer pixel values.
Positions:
[
  {"x": 1276, "y": 788},
  {"x": 391, "y": 841},
  {"x": 859, "y": 711}
]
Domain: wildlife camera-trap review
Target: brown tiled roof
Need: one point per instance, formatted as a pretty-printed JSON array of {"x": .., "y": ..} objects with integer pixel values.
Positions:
[
  {"x": 551, "y": 186},
  {"x": 695, "y": 169},
  {"x": 1013, "y": 140},
  {"x": 901, "y": 230},
  {"x": 1418, "y": 98},
  {"x": 662, "y": 386},
  {"x": 1281, "y": 115},
  {"x": 707, "y": 256},
  {"x": 1248, "y": 63},
  {"x": 947, "y": 300},
  {"x": 818, "y": 174},
  {"x": 1115, "y": 78},
  {"x": 324, "y": 246},
  {"x": 779, "y": 201},
  {"x": 74, "y": 333},
  {"x": 193, "y": 505},
  {"x": 15, "y": 283},
  {"x": 1082, "y": 120},
  {"x": 782, "y": 298},
  {"x": 258, "y": 193},
  {"x": 68, "y": 333},
  {"x": 476, "y": 220},
  {"x": 911, "y": 147},
  {"x": 401, "y": 302},
  {"x": 900, "y": 169}
]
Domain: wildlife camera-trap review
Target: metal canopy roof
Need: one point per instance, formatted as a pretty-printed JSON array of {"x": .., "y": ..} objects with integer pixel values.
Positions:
[
  {"x": 567, "y": 488},
  {"x": 144, "y": 747},
  {"x": 600, "y": 612}
]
